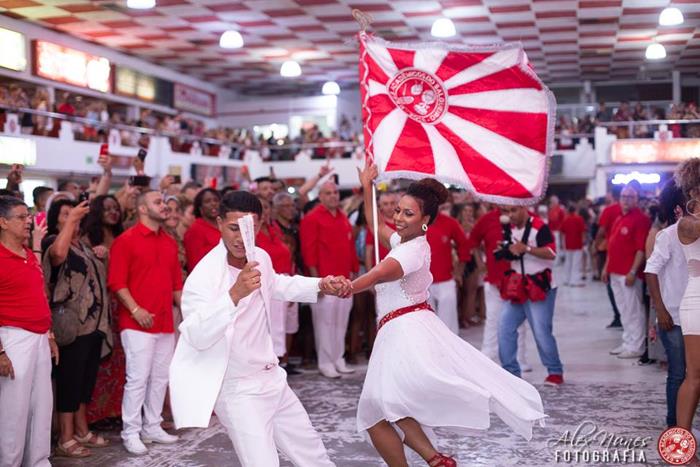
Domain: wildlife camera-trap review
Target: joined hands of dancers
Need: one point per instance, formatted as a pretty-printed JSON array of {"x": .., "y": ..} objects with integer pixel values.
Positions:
[{"x": 249, "y": 280}]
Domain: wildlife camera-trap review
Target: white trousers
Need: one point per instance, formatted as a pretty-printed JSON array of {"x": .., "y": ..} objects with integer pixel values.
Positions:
[
  {"x": 147, "y": 362},
  {"x": 572, "y": 267},
  {"x": 278, "y": 318},
  {"x": 489, "y": 345},
  {"x": 330, "y": 316},
  {"x": 26, "y": 402},
  {"x": 261, "y": 414},
  {"x": 629, "y": 302},
  {"x": 443, "y": 299},
  {"x": 291, "y": 325}
]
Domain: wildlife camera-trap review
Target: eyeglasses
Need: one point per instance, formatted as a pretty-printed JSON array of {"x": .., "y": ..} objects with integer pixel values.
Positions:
[{"x": 22, "y": 217}]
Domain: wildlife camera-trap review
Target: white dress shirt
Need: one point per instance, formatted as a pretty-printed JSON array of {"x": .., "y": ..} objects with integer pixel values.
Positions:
[{"x": 668, "y": 262}]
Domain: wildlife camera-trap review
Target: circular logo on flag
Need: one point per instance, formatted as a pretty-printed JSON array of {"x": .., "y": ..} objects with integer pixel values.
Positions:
[
  {"x": 677, "y": 446},
  {"x": 420, "y": 95}
]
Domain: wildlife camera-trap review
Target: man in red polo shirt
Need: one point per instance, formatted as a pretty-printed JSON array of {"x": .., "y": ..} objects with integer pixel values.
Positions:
[
  {"x": 204, "y": 234},
  {"x": 443, "y": 235},
  {"x": 622, "y": 270},
  {"x": 144, "y": 273},
  {"x": 605, "y": 224},
  {"x": 573, "y": 232},
  {"x": 555, "y": 217},
  {"x": 488, "y": 232},
  {"x": 26, "y": 345},
  {"x": 329, "y": 249}
]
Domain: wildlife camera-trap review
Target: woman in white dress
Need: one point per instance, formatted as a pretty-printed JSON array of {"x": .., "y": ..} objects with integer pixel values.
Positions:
[
  {"x": 688, "y": 179},
  {"x": 421, "y": 375}
]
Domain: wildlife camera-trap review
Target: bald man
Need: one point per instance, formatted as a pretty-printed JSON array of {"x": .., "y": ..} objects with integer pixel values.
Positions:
[{"x": 328, "y": 248}]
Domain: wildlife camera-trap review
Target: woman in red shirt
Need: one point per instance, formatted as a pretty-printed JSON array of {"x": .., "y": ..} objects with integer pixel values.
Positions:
[{"x": 204, "y": 233}]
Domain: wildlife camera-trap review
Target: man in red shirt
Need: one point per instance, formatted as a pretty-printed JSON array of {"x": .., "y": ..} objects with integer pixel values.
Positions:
[
  {"x": 203, "y": 234},
  {"x": 488, "y": 233},
  {"x": 622, "y": 269},
  {"x": 573, "y": 232},
  {"x": 329, "y": 249},
  {"x": 555, "y": 217},
  {"x": 605, "y": 224},
  {"x": 145, "y": 275},
  {"x": 443, "y": 235},
  {"x": 26, "y": 345}
]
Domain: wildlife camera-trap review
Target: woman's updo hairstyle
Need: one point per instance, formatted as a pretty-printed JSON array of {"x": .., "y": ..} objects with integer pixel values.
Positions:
[
  {"x": 688, "y": 177},
  {"x": 430, "y": 194}
]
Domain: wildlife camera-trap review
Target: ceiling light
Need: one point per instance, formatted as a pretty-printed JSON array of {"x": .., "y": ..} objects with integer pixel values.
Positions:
[
  {"x": 330, "y": 88},
  {"x": 290, "y": 69},
  {"x": 141, "y": 4},
  {"x": 671, "y": 16},
  {"x": 443, "y": 27},
  {"x": 231, "y": 40},
  {"x": 655, "y": 51}
]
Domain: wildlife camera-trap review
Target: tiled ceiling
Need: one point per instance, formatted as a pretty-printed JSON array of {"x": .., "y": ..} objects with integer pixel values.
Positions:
[{"x": 565, "y": 39}]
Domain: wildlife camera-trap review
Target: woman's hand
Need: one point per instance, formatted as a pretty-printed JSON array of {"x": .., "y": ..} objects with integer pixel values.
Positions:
[
  {"x": 38, "y": 235},
  {"x": 368, "y": 174},
  {"x": 101, "y": 251},
  {"x": 78, "y": 212}
]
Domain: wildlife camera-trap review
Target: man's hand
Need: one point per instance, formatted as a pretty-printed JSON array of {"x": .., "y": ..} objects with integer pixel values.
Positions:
[
  {"x": 6, "y": 367},
  {"x": 459, "y": 280},
  {"x": 105, "y": 161},
  {"x": 248, "y": 281},
  {"x": 325, "y": 170},
  {"x": 338, "y": 286},
  {"x": 144, "y": 318},
  {"x": 139, "y": 166},
  {"x": 605, "y": 276},
  {"x": 166, "y": 181},
  {"x": 518, "y": 248},
  {"x": 53, "y": 347},
  {"x": 664, "y": 318},
  {"x": 630, "y": 278}
]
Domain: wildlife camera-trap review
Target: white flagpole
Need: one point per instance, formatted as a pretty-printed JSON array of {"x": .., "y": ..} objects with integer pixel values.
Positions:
[{"x": 375, "y": 223}]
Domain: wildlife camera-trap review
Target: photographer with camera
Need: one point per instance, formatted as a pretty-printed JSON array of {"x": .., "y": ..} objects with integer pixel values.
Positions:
[{"x": 529, "y": 291}]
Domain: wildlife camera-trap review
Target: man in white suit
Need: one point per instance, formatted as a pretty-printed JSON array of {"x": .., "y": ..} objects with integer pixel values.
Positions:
[{"x": 224, "y": 360}]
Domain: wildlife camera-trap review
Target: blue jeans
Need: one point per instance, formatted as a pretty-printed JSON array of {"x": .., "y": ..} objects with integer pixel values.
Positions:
[
  {"x": 675, "y": 352},
  {"x": 539, "y": 315}
]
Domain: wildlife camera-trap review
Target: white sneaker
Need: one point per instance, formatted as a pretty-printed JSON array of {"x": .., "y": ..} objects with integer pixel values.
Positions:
[
  {"x": 617, "y": 350},
  {"x": 329, "y": 372},
  {"x": 159, "y": 436},
  {"x": 628, "y": 354},
  {"x": 135, "y": 446},
  {"x": 525, "y": 367},
  {"x": 342, "y": 367}
]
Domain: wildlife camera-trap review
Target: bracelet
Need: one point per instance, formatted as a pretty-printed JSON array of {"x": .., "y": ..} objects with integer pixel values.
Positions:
[{"x": 136, "y": 308}]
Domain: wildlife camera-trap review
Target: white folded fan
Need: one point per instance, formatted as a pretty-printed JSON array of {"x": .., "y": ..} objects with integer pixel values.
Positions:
[{"x": 247, "y": 226}]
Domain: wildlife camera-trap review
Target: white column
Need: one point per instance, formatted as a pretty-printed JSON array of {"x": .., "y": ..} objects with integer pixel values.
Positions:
[{"x": 676, "y": 76}]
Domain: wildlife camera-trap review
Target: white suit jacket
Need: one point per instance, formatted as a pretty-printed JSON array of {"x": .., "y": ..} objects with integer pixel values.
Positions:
[{"x": 202, "y": 353}]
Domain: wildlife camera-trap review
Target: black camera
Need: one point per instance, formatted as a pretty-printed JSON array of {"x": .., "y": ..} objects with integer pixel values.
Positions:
[{"x": 502, "y": 253}]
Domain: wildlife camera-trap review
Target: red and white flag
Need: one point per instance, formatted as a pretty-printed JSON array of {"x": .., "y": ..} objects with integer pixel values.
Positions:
[{"x": 474, "y": 116}]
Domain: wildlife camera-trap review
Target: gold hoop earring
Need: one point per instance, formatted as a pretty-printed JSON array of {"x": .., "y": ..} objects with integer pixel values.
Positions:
[{"x": 424, "y": 227}]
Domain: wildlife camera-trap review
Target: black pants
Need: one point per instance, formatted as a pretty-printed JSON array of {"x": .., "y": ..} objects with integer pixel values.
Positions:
[
  {"x": 611, "y": 296},
  {"x": 76, "y": 372}
]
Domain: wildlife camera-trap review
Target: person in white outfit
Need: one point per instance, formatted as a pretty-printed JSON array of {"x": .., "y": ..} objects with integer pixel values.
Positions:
[
  {"x": 421, "y": 375},
  {"x": 26, "y": 345},
  {"x": 225, "y": 360}
]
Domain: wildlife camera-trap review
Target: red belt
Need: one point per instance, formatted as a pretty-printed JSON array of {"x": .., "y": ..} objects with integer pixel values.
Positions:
[{"x": 402, "y": 311}]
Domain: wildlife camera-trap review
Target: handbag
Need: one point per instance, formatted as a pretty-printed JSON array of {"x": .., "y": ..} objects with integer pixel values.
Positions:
[
  {"x": 65, "y": 324},
  {"x": 518, "y": 287}
]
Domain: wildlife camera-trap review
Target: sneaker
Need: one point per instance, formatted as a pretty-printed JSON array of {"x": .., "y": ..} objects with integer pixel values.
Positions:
[
  {"x": 615, "y": 324},
  {"x": 525, "y": 367},
  {"x": 554, "y": 380},
  {"x": 628, "y": 354},
  {"x": 329, "y": 372},
  {"x": 159, "y": 436},
  {"x": 135, "y": 446},
  {"x": 343, "y": 368},
  {"x": 617, "y": 350}
]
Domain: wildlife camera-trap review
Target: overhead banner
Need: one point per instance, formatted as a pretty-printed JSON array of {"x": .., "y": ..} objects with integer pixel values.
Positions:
[
  {"x": 131, "y": 83},
  {"x": 58, "y": 63},
  {"x": 13, "y": 51},
  {"x": 193, "y": 100},
  {"x": 644, "y": 151}
]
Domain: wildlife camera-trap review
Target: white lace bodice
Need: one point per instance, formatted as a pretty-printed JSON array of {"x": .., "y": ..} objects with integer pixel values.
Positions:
[{"x": 414, "y": 257}]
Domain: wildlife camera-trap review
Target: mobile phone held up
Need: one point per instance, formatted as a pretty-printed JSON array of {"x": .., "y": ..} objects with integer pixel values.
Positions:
[
  {"x": 140, "y": 180},
  {"x": 84, "y": 196},
  {"x": 177, "y": 179},
  {"x": 142, "y": 154}
]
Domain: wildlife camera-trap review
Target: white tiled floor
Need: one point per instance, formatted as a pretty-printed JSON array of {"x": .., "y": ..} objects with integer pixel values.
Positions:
[{"x": 619, "y": 396}]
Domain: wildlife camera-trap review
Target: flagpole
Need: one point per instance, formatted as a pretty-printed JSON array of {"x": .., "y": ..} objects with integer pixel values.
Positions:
[{"x": 375, "y": 223}]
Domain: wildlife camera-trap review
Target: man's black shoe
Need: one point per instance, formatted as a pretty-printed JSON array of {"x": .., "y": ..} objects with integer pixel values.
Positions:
[{"x": 615, "y": 324}]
